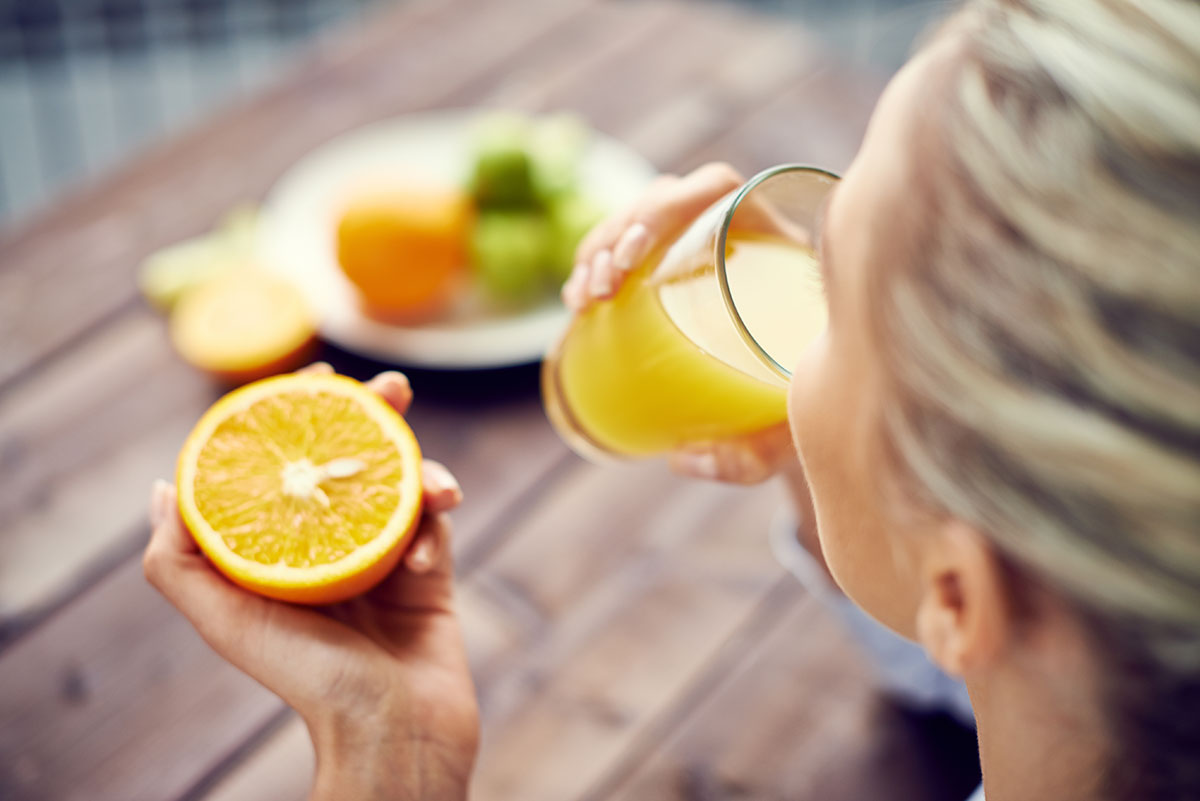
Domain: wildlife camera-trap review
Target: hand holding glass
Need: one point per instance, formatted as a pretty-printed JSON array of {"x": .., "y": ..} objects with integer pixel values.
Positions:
[{"x": 698, "y": 343}]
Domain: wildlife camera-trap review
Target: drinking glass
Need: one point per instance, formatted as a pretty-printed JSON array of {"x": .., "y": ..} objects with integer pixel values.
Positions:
[{"x": 698, "y": 343}]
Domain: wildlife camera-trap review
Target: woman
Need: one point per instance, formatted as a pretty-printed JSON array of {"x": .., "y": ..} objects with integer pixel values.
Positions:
[{"x": 1000, "y": 429}]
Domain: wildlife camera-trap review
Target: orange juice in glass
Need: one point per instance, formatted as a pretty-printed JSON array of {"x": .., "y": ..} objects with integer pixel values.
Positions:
[{"x": 698, "y": 343}]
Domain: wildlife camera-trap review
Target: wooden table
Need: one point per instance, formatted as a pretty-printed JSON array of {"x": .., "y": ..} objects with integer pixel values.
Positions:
[{"x": 630, "y": 634}]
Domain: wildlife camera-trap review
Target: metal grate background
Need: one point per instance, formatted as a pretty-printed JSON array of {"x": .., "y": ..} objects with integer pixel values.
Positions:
[{"x": 85, "y": 83}]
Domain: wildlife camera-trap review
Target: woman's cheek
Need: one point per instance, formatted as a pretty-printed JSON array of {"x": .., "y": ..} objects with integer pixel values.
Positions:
[
  {"x": 803, "y": 389},
  {"x": 821, "y": 425},
  {"x": 813, "y": 425}
]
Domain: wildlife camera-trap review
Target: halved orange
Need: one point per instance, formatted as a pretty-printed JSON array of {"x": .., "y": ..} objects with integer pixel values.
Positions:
[
  {"x": 305, "y": 488},
  {"x": 244, "y": 324}
]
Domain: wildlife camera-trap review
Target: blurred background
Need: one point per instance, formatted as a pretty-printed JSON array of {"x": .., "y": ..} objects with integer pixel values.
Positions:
[
  {"x": 86, "y": 83},
  {"x": 666, "y": 652}
]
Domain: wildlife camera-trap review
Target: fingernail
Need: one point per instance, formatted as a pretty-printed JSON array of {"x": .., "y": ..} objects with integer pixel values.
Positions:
[
  {"x": 394, "y": 379},
  {"x": 570, "y": 290},
  {"x": 444, "y": 479},
  {"x": 703, "y": 465},
  {"x": 752, "y": 466},
  {"x": 580, "y": 291},
  {"x": 601, "y": 284},
  {"x": 158, "y": 502},
  {"x": 631, "y": 247},
  {"x": 422, "y": 557}
]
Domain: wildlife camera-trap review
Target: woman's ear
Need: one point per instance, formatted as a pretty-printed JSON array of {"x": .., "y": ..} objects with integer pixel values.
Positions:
[{"x": 963, "y": 616}]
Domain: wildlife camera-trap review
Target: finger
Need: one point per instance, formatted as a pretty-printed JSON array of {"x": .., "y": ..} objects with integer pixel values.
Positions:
[
  {"x": 430, "y": 551},
  {"x": 316, "y": 368},
  {"x": 163, "y": 506},
  {"x": 751, "y": 459},
  {"x": 601, "y": 283},
  {"x": 442, "y": 492},
  {"x": 695, "y": 464},
  {"x": 633, "y": 246},
  {"x": 681, "y": 202},
  {"x": 572, "y": 291},
  {"x": 424, "y": 579},
  {"x": 257, "y": 635},
  {"x": 174, "y": 566},
  {"x": 575, "y": 293},
  {"x": 394, "y": 388},
  {"x": 723, "y": 464},
  {"x": 421, "y": 557},
  {"x": 604, "y": 236}
]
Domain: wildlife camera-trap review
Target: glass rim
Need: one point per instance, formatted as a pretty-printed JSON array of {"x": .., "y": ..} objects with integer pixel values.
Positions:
[{"x": 719, "y": 257}]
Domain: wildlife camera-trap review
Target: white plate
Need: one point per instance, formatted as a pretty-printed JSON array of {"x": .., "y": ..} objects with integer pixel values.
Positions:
[{"x": 299, "y": 219}]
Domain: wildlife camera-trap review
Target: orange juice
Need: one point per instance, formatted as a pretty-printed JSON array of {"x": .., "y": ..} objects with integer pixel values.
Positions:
[{"x": 662, "y": 365}]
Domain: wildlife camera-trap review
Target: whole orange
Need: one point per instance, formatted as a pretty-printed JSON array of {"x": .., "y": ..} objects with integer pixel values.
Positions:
[{"x": 406, "y": 250}]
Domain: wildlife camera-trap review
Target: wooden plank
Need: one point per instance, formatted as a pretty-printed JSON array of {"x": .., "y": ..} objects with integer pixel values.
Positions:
[
  {"x": 71, "y": 269},
  {"x": 796, "y": 718},
  {"x": 664, "y": 61},
  {"x": 84, "y": 700},
  {"x": 820, "y": 119},
  {"x": 283, "y": 769},
  {"x": 618, "y": 648},
  {"x": 79, "y": 445}
]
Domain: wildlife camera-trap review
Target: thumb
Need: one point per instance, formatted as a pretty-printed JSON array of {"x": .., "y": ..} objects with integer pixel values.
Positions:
[{"x": 251, "y": 632}]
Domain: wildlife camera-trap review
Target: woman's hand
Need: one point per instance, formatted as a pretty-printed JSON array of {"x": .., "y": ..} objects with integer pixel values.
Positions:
[
  {"x": 619, "y": 244},
  {"x": 381, "y": 681}
]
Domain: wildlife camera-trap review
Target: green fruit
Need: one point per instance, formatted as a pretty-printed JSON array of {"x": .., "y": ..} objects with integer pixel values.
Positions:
[
  {"x": 509, "y": 249},
  {"x": 556, "y": 148},
  {"x": 571, "y": 216},
  {"x": 238, "y": 230},
  {"x": 170, "y": 273},
  {"x": 502, "y": 175}
]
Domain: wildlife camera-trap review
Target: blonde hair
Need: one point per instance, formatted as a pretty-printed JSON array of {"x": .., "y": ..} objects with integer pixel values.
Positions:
[{"x": 1043, "y": 339}]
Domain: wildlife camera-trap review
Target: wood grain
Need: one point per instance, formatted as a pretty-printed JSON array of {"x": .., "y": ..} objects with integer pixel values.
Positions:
[
  {"x": 618, "y": 649},
  {"x": 796, "y": 717},
  {"x": 118, "y": 698},
  {"x": 819, "y": 119}
]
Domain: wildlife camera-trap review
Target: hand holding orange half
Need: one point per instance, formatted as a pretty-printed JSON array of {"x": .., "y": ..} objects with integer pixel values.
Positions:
[
  {"x": 303, "y": 487},
  {"x": 384, "y": 670}
]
